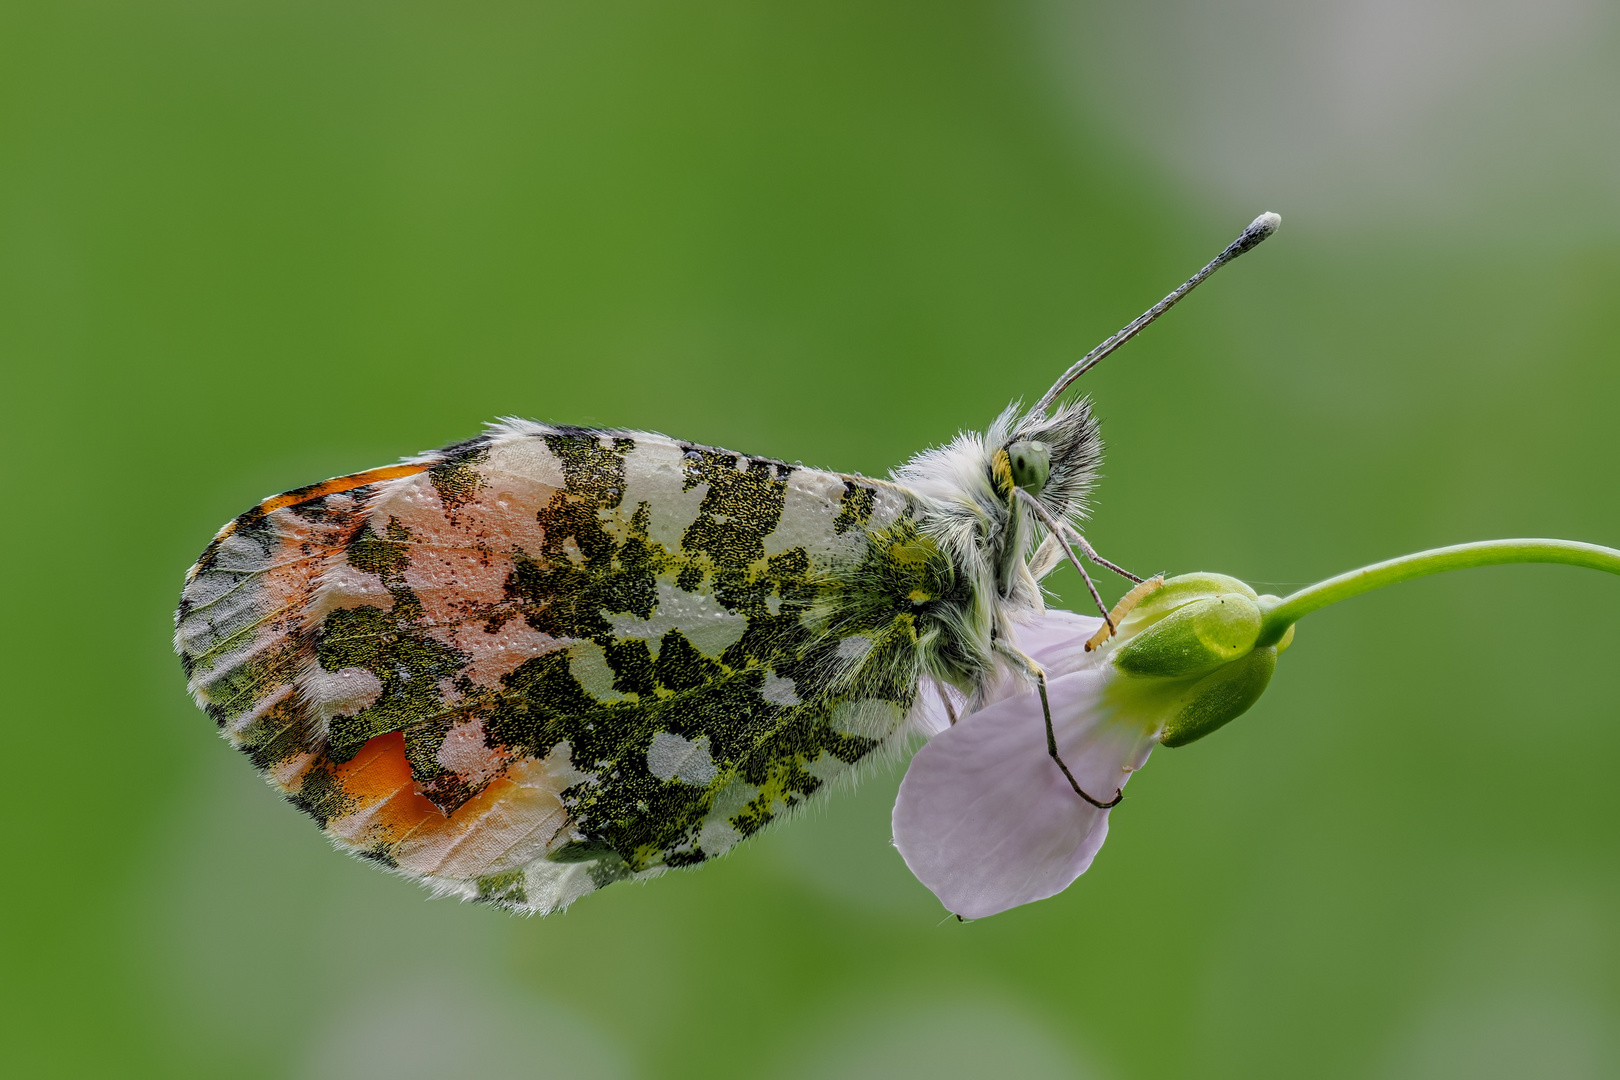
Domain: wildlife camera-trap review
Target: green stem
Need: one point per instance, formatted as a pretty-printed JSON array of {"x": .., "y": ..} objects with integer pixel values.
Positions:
[{"x": 1290, "y": 609}]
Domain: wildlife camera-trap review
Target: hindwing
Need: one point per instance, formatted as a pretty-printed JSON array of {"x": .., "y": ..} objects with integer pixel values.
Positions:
[{"x": 550, "y": 658}]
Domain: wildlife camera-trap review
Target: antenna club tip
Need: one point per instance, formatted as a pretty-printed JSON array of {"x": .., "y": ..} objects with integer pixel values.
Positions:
[
  {"x": 1264, "y": 225},
  {"x": 1260, "y": 228}
]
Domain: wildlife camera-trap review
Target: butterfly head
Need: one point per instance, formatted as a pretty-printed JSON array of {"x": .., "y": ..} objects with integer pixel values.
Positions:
[{"x": 1052, "y": 456}]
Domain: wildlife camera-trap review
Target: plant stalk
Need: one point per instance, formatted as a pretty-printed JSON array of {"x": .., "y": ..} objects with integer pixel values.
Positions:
[{"x": 1290, "y": 609}]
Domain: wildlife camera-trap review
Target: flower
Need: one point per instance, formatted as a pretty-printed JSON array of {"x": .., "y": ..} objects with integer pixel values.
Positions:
[{"x": 986, "y": 819}]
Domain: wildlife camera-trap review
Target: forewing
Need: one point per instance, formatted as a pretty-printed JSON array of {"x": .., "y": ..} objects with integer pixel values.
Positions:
[{"x": 551, "y": 658}]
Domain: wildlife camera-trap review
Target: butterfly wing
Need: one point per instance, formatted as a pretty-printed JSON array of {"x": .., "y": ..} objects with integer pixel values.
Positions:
[{"x": 551, "y": 658}]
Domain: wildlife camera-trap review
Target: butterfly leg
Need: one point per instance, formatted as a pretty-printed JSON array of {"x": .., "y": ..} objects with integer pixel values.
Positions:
[
  {"x": 1034, "y": 671},
  {"x": 1057, "y": 530},
  {"x": 1071, "y": 533},
  {"x": 1066, "y": 532},
  {"x": 1091, "y": 553},
  {"x": 1096, "y": 597}
]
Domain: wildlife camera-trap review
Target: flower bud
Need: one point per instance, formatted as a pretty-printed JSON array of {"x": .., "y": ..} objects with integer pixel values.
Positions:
[
  {"x": 1193, "y": 639},
  {"x": 1222, "y": 695},
  {"x": 1188, "y": 651},
  {"x": 1178, "y": 592}
]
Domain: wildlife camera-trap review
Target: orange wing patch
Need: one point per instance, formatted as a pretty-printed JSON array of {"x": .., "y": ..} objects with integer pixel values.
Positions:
[{"x": 334, "y": 486}]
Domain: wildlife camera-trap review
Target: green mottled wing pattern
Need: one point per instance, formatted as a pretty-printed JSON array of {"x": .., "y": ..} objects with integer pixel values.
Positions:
[{"x": 551, "y": 658}]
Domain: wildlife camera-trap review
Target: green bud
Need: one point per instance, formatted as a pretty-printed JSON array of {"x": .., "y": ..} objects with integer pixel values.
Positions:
[
  {"x": 1194, "y": 638},
  {"x": 1031, "y": 464},
  {"x": 1178, "y": 592},
  {"x": 1189, "y": 653},
  {"x": 1220, "y": 696}
]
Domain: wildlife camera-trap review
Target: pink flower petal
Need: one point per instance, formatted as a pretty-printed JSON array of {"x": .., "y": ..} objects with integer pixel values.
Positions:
[
  {"x": 985, "y": 818},
  {"x": 930, "y": 716},
  {"x": 1056, "y": 640}
]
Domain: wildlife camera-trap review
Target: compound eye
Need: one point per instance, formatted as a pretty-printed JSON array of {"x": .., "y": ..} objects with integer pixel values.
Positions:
[{"x": 1031, "y": 464}]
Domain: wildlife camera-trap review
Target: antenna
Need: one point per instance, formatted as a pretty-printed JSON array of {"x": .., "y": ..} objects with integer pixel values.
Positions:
[{"x": 1260, "y": 228}]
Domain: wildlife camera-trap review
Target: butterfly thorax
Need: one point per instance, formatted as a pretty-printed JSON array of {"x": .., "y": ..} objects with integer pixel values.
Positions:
[{"x": 974, "y": 514}]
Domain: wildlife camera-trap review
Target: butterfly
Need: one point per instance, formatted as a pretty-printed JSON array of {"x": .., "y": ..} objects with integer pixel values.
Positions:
[{"x": 549, "y": 658}]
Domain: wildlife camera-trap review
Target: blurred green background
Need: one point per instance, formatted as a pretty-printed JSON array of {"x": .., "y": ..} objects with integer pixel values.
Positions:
[{"x": 247, "y": 245}]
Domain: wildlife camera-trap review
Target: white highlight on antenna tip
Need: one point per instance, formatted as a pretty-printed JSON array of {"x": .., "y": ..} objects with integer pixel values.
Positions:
[{"x": 1266, "y": 224}]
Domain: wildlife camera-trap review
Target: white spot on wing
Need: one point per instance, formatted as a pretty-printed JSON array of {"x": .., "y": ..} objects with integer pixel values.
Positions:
[
  {"x": 779, "y": 690},
  {"x": 854, "y": 647},
  {"x": 343, "y": 692},
  {"x": 464, "y": 753},
  {"x": 550, "y": 886},
  {"x": 560, "y": 766},
  {"x": 736, "y": 795},
  {"x": 826, "y": 768},
  {"x": 671, "y": 757},
  {"x": 493, "y": 654},
  {"x": 698, "y": 616},
  {"x": 868, "y": 718},
  {"x": 589, "y": 665},
  {"x": 717, "y": 837},
  {"x": 810, "y": 505},
  {"x": 343, "y": 586},
  {"x": 523, "y": 455},
  {"x": 655, "y": 474},
  {"x": 887, "y": 506}
]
